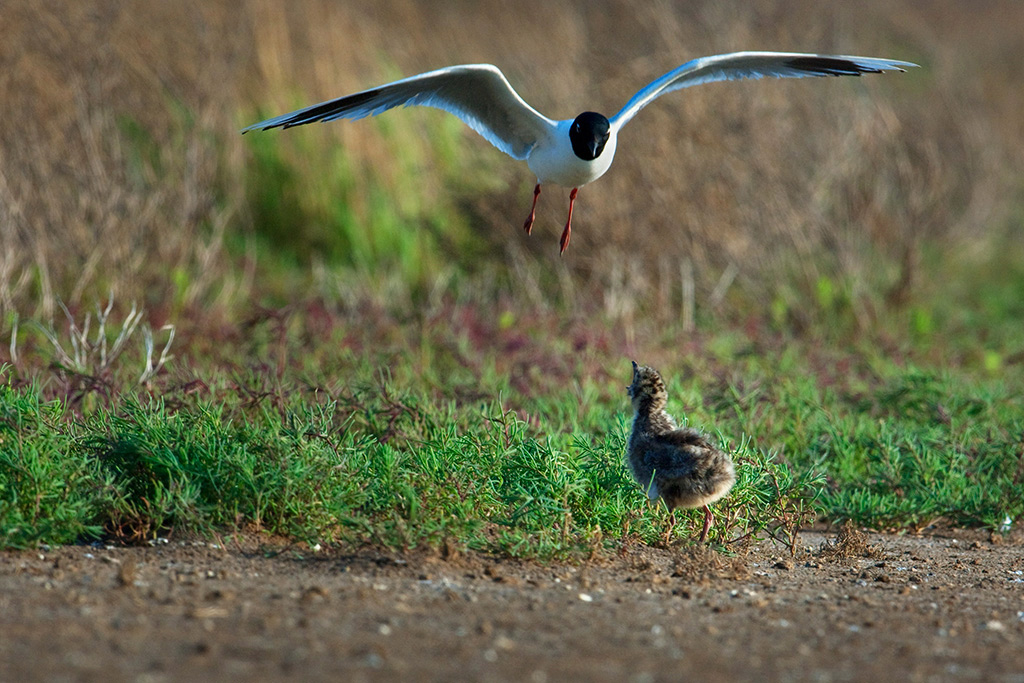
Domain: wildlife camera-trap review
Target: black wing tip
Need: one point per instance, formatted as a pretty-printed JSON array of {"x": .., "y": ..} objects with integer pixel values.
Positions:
[
  {"x": 290, "y": 123},
  {"x": 259, "y": 127},
  {"x": 834, "y": 66},
  {"x": 318, "y": 112}
]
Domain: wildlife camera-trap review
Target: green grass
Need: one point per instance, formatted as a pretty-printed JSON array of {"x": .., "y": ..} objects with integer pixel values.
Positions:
[
  {"x": 375, "y": 466},
  {"x": 46, "y": 492},
  {"x": 911, "y": 449},
  {"x": 334, "y": 449}
]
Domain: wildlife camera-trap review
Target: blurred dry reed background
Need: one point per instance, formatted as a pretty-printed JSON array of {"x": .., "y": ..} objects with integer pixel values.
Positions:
[{"x": 121, "y": 167}]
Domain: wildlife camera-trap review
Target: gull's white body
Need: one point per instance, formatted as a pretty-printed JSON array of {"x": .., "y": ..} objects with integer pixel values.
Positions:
[
  {"x": 553, "y": 161},
  {"x": 481, "y": 96}
]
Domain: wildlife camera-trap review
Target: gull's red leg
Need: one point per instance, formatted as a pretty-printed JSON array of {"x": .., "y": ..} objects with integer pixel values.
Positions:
[
  {"x": 528, "y": 225},
  {"x": 707, "y": 523},
  {"x": 564, "y": 242}
]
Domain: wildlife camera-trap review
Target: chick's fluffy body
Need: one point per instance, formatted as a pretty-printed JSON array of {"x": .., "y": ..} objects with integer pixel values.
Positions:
[{"x": 678, "y": 465}]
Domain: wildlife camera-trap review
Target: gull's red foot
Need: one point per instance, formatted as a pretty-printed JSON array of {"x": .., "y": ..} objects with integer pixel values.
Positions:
[
  {"x": 528, "y": 225},
  {"x": 564, "y": 242}
]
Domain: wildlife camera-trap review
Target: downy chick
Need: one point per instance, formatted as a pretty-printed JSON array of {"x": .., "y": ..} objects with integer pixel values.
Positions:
[{"x": 680, "y": 466}]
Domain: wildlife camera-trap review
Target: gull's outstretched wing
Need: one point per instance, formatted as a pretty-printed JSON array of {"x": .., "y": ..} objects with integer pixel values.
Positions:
[
  {"x": 739, "y": 65},
  {"x": 479, "y": 94}
]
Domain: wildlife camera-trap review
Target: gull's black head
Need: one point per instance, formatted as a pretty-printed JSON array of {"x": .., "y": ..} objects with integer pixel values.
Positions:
[{"x": 588, "y": 135}]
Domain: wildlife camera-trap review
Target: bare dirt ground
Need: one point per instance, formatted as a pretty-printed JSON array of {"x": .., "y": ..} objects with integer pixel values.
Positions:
[{"x": 946, "y": 606}]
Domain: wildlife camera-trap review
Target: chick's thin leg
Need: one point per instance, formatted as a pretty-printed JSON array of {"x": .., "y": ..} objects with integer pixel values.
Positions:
[{"x": 708, "y": 517}]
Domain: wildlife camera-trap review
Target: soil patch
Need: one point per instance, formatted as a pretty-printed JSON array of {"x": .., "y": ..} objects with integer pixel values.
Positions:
[{"x": 883, "y": 607}]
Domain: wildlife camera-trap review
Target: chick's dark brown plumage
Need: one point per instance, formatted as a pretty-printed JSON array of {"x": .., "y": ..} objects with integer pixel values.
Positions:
[{"x": 679, "y": 466}]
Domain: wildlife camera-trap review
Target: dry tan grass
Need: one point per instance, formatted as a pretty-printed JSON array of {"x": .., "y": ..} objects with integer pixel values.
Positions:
[{"x": 739, "y": 180}]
